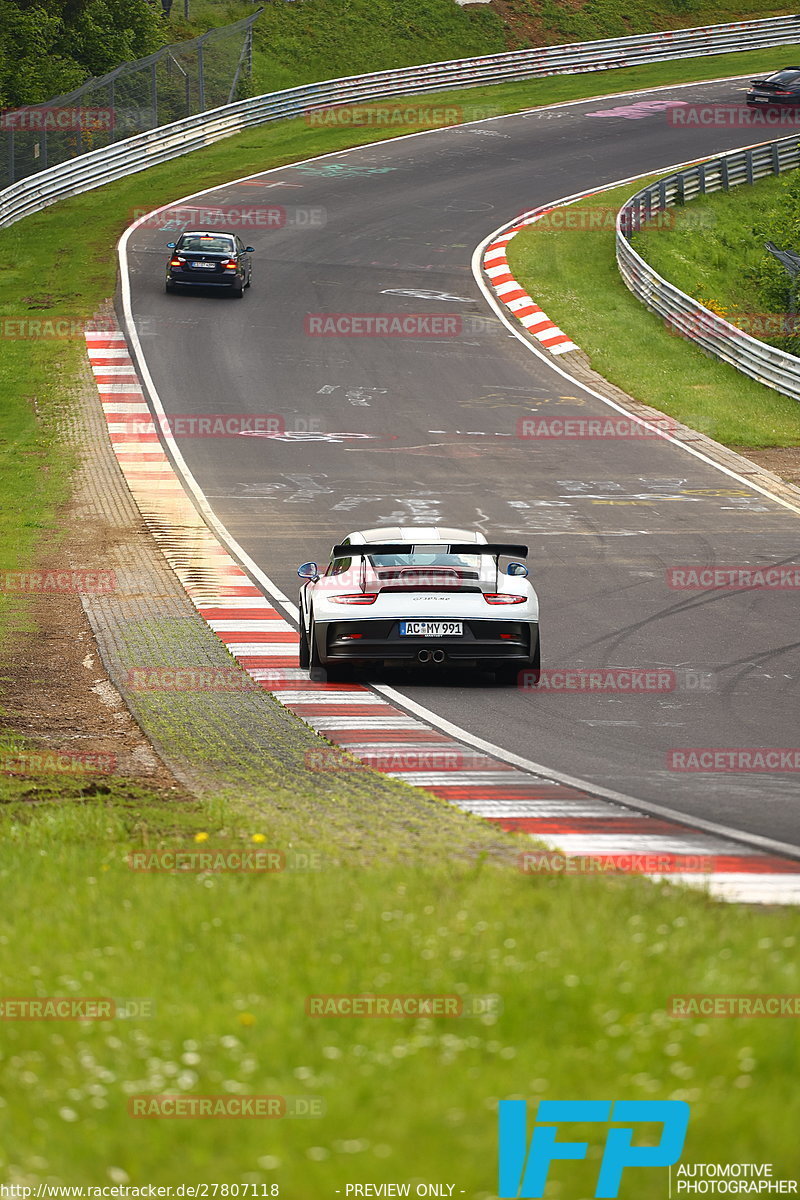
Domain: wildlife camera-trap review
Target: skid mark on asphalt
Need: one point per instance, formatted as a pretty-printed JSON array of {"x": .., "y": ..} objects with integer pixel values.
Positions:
[{"x": 362, "y": 724}]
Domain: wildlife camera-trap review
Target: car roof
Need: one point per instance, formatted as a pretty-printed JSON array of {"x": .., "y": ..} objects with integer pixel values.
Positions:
[{"x": 416, "y": 535}]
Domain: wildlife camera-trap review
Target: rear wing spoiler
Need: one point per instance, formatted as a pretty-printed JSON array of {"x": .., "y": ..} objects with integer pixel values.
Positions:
[{"x": 495, "y": 549}]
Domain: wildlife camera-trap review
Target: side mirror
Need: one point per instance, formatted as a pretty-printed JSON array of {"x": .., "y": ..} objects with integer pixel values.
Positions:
[
  {"x": 516, "y": 568},
  {"x": 308, "y": 571},
  {"x": 171, "y": 245},
  {"x": 249, "y": 249}
]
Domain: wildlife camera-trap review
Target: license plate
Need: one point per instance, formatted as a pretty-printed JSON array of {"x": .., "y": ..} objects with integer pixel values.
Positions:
[
  {"x": 203, "y": 266},
  {"x": 758, "y": 99},
  {"x": 431, "y": 628}
]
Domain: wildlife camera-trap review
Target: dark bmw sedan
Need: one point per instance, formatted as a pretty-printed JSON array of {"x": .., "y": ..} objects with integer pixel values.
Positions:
[
  {"x": 210, "y": 260},
  {"x": 783, "y": 87}
]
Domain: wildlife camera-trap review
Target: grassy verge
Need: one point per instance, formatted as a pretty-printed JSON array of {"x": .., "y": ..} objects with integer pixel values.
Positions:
[
  {"x": 581, "y": 970},
  {"x": 300, "y": 43},
  {"x": 719, "y": 256},
  {"x": 573, "y": 274}
]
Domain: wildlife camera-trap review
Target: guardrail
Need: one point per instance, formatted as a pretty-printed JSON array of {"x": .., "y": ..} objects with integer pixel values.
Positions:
[
  {"x": 685, "y": 316},
  {"x": 169, "y": 141}
]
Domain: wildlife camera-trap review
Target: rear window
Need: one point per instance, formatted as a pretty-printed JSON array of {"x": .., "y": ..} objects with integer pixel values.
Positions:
[
  {"x": 427, "y": 556},
  {"x": 785, "y": 78},
  {"x": 195, "y": 242}
]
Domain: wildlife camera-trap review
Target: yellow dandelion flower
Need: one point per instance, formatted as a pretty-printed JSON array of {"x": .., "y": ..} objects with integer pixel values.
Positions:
[
  {"x": 259, "y": 837},
  {"x": 201, "y": 837},
  {"x": 246, "y": 1018}
]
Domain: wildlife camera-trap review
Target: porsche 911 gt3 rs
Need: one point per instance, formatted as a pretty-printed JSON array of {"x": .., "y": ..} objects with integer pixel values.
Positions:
[{"x": 413, "y": 595}]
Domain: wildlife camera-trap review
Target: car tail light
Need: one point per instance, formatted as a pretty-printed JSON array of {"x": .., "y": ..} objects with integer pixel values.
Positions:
[
  {"x": 176, "y": 262},
  {"x": 356, "y": 598},
  {"x": 779, "y": 93},
  {"x": 231, "y": 264},
  {"x": 503, "y": 598}
]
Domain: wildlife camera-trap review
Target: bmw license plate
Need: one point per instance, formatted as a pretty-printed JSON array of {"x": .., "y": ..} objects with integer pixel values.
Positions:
[
  {"x": 431, "y": 629},
  {"x": 204, "y": 266},
  {"x": 758, "y": 99}
]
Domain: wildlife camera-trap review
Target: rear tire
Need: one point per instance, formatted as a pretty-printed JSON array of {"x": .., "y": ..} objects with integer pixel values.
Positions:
[
  {"x": 169, "y": 288},
  {"x": 339, "y": 673},
  {"x": 508, "y": 674},
  {"x": 302, "y": 650},
  {"x": 316, "y": 671}
]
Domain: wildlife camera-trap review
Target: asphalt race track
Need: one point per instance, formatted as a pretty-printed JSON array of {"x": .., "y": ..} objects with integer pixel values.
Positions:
[{"x": 422, "y": 430}]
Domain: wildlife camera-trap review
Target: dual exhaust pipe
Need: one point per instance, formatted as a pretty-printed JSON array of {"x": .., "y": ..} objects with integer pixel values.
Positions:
[{"x": 425, "y": 656}]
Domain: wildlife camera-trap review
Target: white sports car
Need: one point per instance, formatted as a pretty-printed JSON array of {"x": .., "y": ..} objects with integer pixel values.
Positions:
[{"x": 419, "y": 595}]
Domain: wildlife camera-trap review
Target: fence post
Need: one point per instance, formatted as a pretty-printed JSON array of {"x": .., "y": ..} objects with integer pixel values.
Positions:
[{"x": 201, "y": 81}]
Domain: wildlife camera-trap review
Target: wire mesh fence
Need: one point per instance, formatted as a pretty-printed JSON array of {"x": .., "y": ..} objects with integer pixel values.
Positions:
[{"x": 177, "y": 81}]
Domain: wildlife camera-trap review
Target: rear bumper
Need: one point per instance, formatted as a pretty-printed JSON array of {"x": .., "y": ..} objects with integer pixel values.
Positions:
[
  {"x": 354, "y": 642},
  {"x": 207, "y": 281},
  {"x": 767, "y": 101}
]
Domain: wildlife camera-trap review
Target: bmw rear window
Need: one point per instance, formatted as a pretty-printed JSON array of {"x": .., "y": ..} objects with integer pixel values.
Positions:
[{"x": 197, "y": 243}]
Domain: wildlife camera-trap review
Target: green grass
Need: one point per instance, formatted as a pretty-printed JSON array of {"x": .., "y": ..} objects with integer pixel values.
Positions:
[
  {"x": 319, "y": 39},
  {"x": 573, "y": 275},
  {"x": 719, "y": 256},
  {"x": 583, "y": 969}
]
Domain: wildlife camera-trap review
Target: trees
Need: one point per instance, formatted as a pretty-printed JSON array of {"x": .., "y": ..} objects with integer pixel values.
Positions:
[{"x": 49, "y": 47}]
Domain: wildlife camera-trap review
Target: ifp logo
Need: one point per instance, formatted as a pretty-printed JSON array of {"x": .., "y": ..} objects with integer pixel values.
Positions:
[{"x": 524, "y": 1170}]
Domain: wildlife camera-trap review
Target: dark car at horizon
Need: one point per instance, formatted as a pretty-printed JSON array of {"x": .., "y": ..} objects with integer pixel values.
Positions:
[
  {"x": 782, "y": 87},
  {"x": 209, "y": 260}
]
